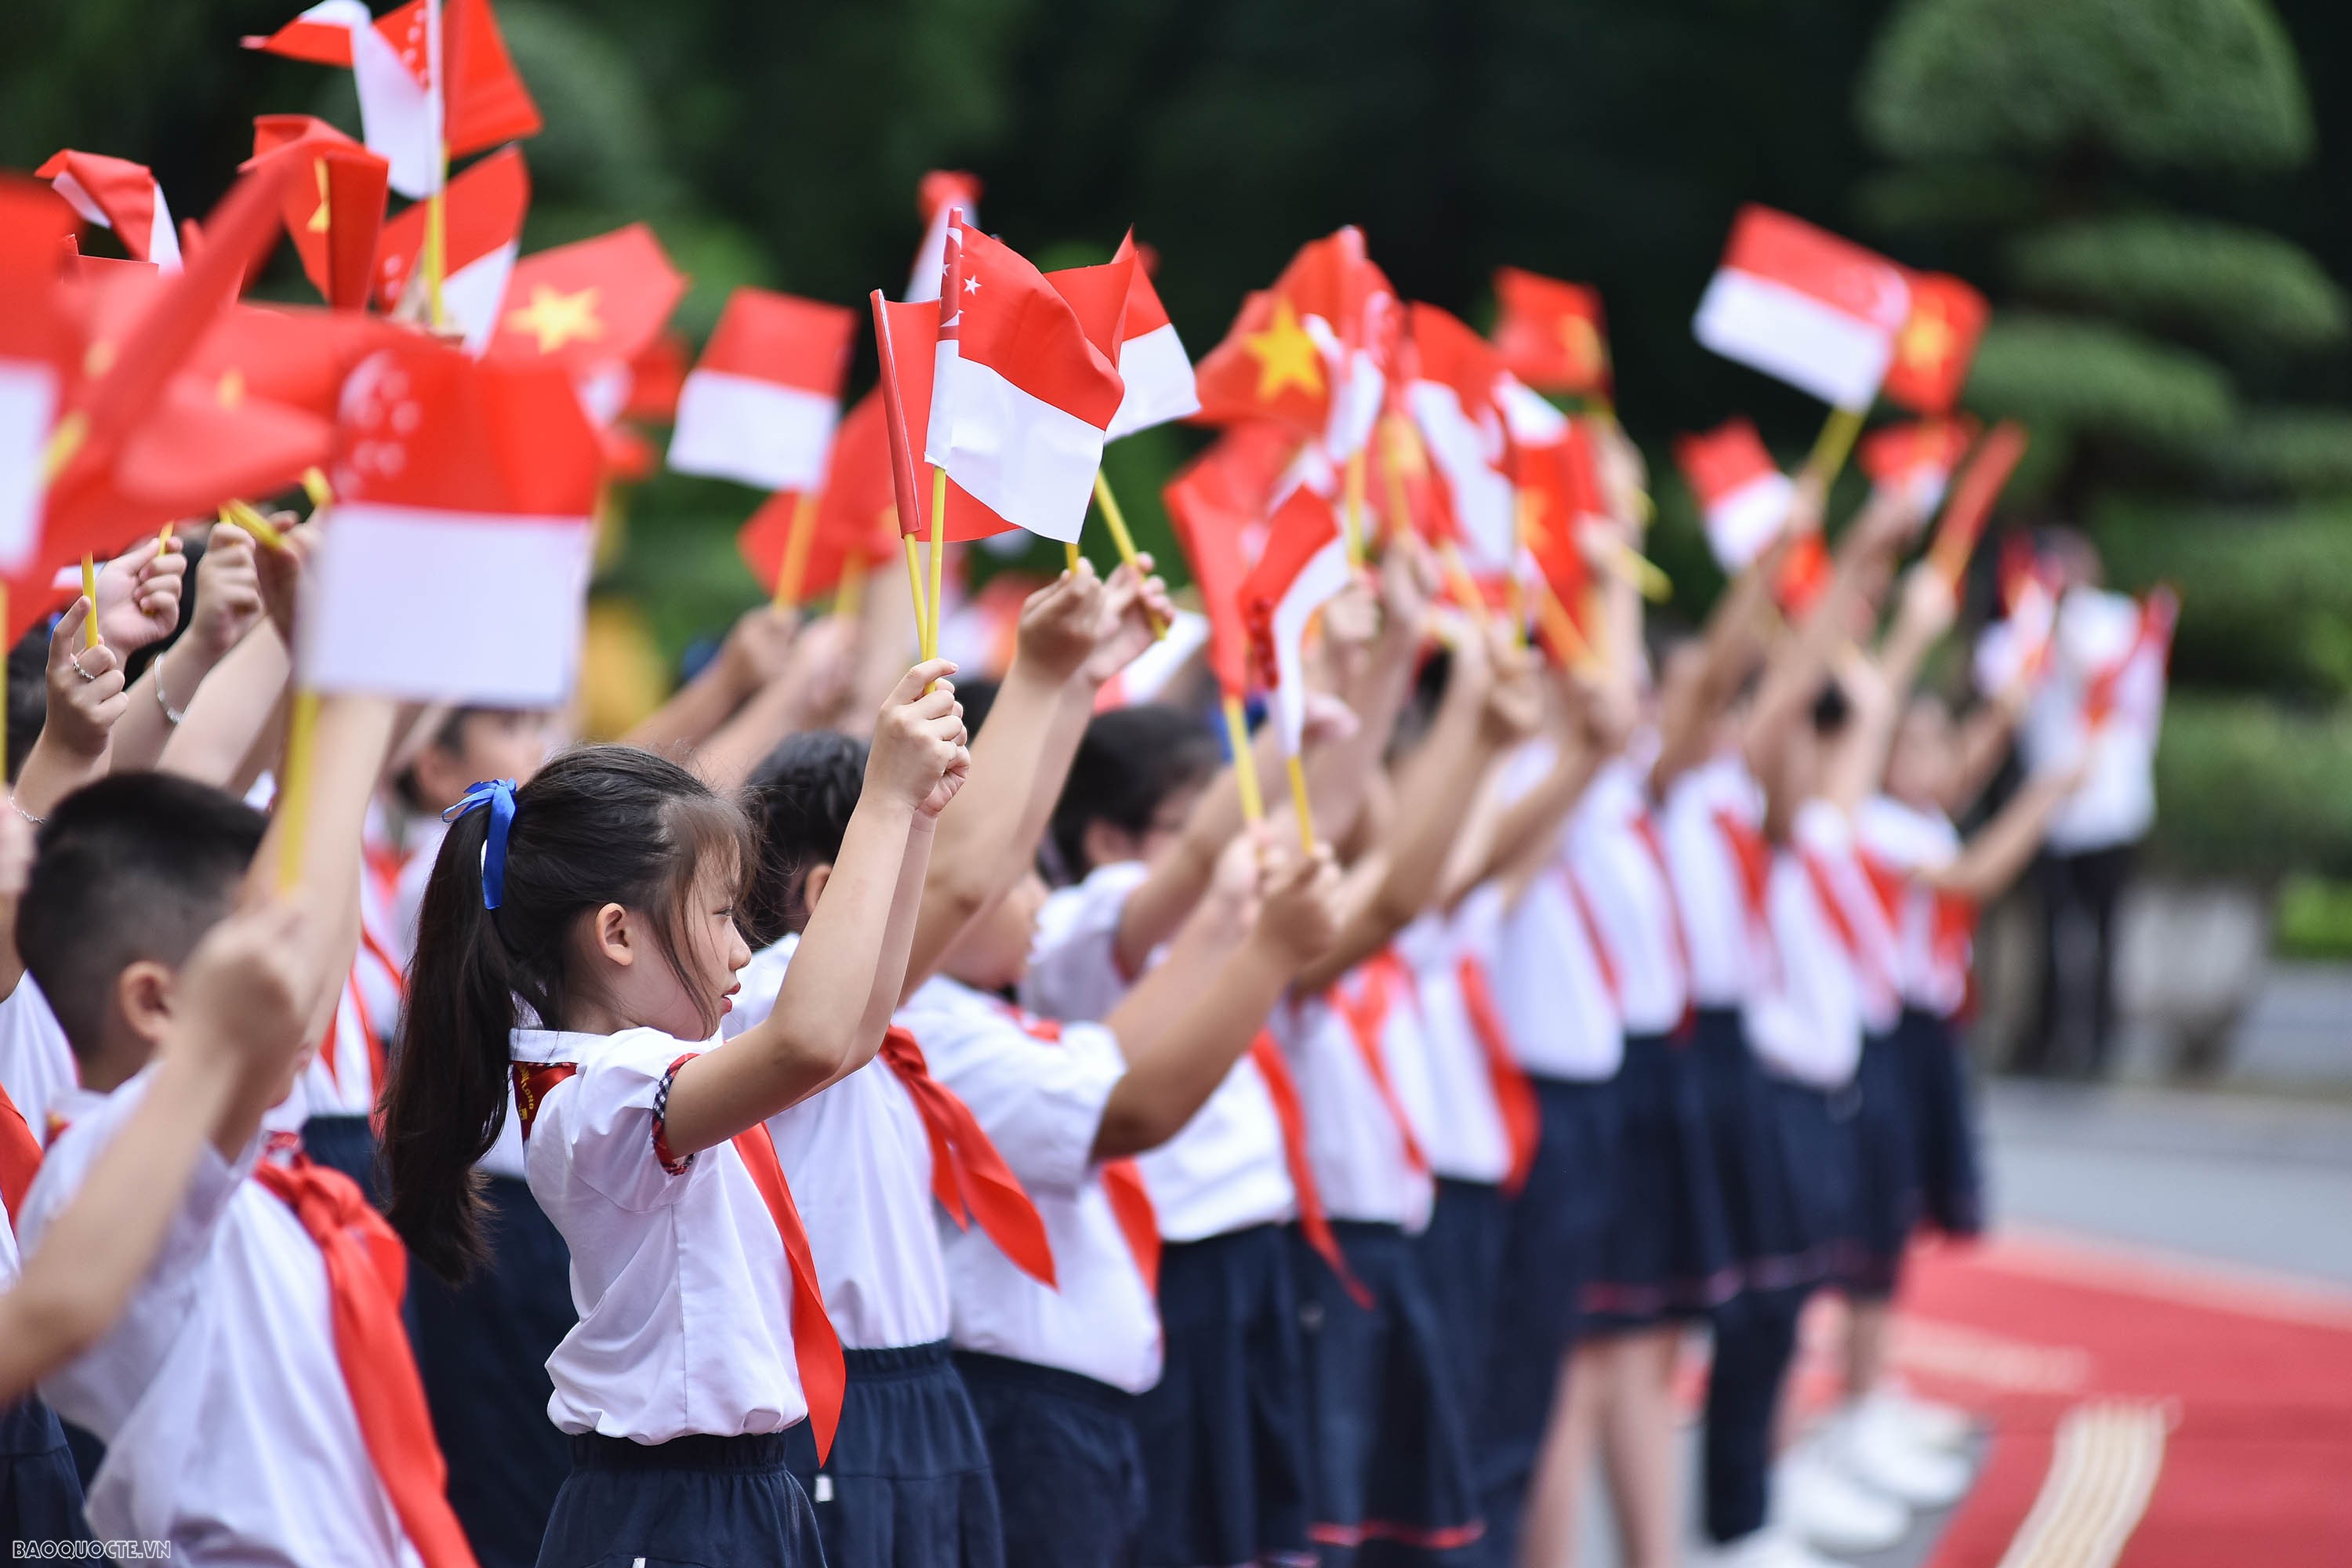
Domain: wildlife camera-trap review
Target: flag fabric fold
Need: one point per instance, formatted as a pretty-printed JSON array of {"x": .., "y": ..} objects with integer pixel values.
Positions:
[
  {"x": 1550, "y": 333},
  {"x": 1799, "y": 303},
  {"x": 1156, "y": 375},
  {"x": 117, "y": 193},
  {"x": 762, "y": 405},
  {"x": 1305, "y": 564},
  {"x": 336, "y": 217},
  {"x": 1742, "y": 494},
  {"x": 483, "y": 209}
]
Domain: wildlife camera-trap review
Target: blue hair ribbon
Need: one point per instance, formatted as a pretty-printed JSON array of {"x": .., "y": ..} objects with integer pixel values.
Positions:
[{"x": 499, "y": 794}]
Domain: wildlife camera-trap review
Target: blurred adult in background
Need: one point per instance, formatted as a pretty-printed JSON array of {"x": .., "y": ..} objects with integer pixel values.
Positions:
[{"x": 2104, "y": 695}]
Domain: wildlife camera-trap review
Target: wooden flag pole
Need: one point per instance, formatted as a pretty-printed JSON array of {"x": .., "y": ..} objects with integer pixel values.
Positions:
[
  {"x": 90, "y": 592},
  {"x": 794, "y": 568},
  {"x": 1245, "y": 782},
  {"x": 1299, "y": 804},
  {"x": 1831, "y": 447},
  {"x": 1115, "y": 520},
  {"x": 1355, "y": 509},
  {"x": 938, "y": 554},
  {"x": 294, "y": 789}
]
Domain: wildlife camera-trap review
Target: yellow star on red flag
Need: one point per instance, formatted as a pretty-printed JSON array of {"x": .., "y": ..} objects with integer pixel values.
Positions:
[
  {"x": 1286, "y": 355},
  {"x": 554, "y": 318}
]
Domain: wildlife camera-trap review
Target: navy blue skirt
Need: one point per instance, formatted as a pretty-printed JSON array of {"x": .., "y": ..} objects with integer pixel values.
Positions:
[
  {"x": 346, "y": 1144},
  {"x": 482, "y": 1349},
  {"x": 1461, "y": 1259},
  {"x": 1666, "y": 1254},
  {"x": 40, "y": 1494},
  {"x": 1817, "y": 1129},
  {"x": 1394, "y": 1480},
  {"x": 1777, "y": 1241},
  {"x": 1069, "y": 1474},
  {"x": 1886, "y": 1168},
  {"x": 1943, "y": 1123},
  {"x": 691, "y": 1502},
  {"x": 1552, "y": 1243},
  {"x": 907, "y": 1480},
  {"x": 1224, "y": 1434}
]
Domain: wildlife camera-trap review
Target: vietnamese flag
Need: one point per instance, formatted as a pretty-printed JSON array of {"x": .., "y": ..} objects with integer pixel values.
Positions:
[
  {"x": 1743, "y": 496},
  {"x": 457, "y": 566},
  {"x": 1938, "y": 343},
  {"x": 336, "y": 217},
  {"x": 1309, "y": 352},
  {"x": 40, "y": 355},
  {"x": 762, "y": 405},
  {"x": 1452, "y": 400},
  {"x": 1303, "y": 565},
  {"x": 1550, "y": 334},
  {"x": 588, "y": 305},
  {"x": 1217, "y": 505},
  {"x": 1799, "y": 303}
]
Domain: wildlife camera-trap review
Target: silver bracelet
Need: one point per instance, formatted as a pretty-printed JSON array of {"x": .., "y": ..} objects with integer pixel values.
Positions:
[
  {"x": 36, "y": 821},
  {"x": 171, "y": 715}
]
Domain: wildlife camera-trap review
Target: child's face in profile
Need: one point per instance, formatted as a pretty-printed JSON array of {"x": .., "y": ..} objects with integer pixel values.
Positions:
[
  {"x": 649, "y": 991},
  {"x": 993, "y": 953}
]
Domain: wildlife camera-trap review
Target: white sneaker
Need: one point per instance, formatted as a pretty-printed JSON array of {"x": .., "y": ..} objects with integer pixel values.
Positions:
[
  {"x": 1771, "y": 1547},
  {"x": 1828, "y": 1510},
  {"x": 1872, "y": 1444},
  {"x": 1929, "y": 1425}
]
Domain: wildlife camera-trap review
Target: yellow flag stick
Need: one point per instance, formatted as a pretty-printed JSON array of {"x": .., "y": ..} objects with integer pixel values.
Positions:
[
  {"x": 794, "y": 568},
  {"x": 1835, "y": 441},
  {"x": 315, "y": 486},
  {"x": 1465, "y": 586},
  {"x": 90, "y": 592},
  {"x": 64, "y": 442},
  {"x": 938, "y": 554},
  {"x": 1299, "y": 804},
  {"x": 1117, "y": 523},
  {"x": 1070, "y": 556},
  {"x": 248, "y": 516},
  {"x": 1355, "y": 509},
  {"x": 294, "y": 789},
  {"x": 1630, "y": 565},
  {"x": 1558, "y": 626},
  {"x": 850, "y": 592},
  {"x": 1237, "y": 736},
  {"x": 915, "y": 590},
  {"x": 1515, "y": 606}
]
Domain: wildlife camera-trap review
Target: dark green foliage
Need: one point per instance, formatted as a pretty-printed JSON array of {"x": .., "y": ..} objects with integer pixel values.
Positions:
[
  {"x": 2074, "y": 376},
  {"x": 2235, "y": 287}
]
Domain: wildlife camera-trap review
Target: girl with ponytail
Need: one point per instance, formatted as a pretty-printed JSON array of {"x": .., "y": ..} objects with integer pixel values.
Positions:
[{"x": 577, "y": 942}]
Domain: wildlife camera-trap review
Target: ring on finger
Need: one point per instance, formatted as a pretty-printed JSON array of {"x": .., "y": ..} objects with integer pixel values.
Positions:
[{"x": 75, "y": 659}]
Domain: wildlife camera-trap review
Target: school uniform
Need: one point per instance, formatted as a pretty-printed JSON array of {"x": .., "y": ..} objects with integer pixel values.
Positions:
[
  {"x": 1557, "y": 993},
  {"x": 230, "y": 1392},
  {"x": 1223, "y": 1432},
  {"x": 1053, "y": 1372},
  {"x": 908, "y": 1479},
  {"x": 1477, "y": 1116},
  {"x": 1933, "y": 935},
  {"x": 40, "y": 1494},
  {"x": 702, "y": 1338},
  {"x": 1666, "y": 1253},
  {"x": 340, "y": 1084},
  {"x": 1393, "y": 1476}
]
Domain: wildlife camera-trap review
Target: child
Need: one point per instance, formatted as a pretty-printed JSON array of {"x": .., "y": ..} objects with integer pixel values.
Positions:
[
  {"x": 257, "y": 1396},
  {"x": 577, "y": 936}
]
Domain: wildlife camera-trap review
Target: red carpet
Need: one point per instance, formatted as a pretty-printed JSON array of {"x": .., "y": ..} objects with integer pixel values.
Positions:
[{"x": 2224, "y": 1401}]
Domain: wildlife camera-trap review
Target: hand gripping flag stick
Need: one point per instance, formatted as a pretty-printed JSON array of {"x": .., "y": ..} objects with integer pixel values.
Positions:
[{"x": 1125, "y": 542}]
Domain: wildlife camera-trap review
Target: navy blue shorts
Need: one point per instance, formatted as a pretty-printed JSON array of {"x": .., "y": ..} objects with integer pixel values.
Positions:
[
  {"x": 1552, "y": 1241},
  {"x": 1224, "y": 1434},
  {"x": 1886, "y": 1168},
  {"x": 1666, "y": 1254},
  {"x": 1393, "y": 1476},
  {"x": 691, "y": 1502},
  {"x": 1461, "y": 1259},
  {"x": 482, "y": 1349},
  {"x": 1943, "y": 1123},
  {"x": 1775, "y": 1241},
  {"x": 1069, "y": 1473},
  {"x": 346, "y": 1144},
  {"x": 908, "y": 1481},
  {"x": 40, "y": 1494}
]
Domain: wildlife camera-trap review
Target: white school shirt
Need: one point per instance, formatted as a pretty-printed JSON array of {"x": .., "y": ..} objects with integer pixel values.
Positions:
[
  {"x": 1041, "y": 1101},
  {"x": 859, "y": 1160},
  {"x": 1548, "y": 979},
  {"x": 1462, "y": 1132},
  {"x": 1704, "y": 807},
  {"x": 1624, "y": 881},
  {"x": 2116, "y": 801},
  {"x": 229, "y": 1430},
  {"x": 36, "y": 1062},
  {"x": 1226, "y": 1170},
  {"x": 1805, "y": 1019},
  {"x": 679, "y": 1275},
  {"x": 1929, "y": 974},
  {"x": 1355, "y": 1146}
]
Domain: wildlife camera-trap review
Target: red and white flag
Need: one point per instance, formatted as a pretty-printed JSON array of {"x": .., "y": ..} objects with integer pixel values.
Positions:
[
  {"x": 483, "y": 208},
  {"x": 336, "y": 217},
  {"x": 1304, "y": 567},
  {"x": 1021, "y": 400},
  {"x": 942, "y": 193},
  {"x": 762, "y": 405},
  {"x": 1450, "y": 399},
  {"x": 457, "y": 566},
  {"x": 1742, "y": 493},
  {"x": 1917, "y": 458},
  {"x": 1799, "y": 303},
  {"x": 1217, "y": 505},
  {"x": 1151, "y": 361},
  {"x": 117, "y": 193},
  {"x": 1163, "y": 660},
  {"x": 38, "y": 352}
]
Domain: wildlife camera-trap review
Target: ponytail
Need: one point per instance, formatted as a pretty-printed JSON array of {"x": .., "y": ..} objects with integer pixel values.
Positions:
[{"x": 599, "y": 824}]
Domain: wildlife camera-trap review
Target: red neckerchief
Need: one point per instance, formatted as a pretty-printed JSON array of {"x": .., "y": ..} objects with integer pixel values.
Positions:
[
  {"x": 1515, "y": 1097},
  {"x": 20, "y": 1156},
  {"x": 1366, "y": 1014},
  {"x": 1314, "y": 1225},
  {"x": 1130, "y": 1200},
  {"x": 969, "y": 1177},
  {"x": 367, "y": 1271}
]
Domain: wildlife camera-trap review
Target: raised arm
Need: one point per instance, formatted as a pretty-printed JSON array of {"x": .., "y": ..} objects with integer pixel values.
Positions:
[
  {"x": 226, "y": 605},
  {"x": 2000, "y": 851},
  {"x": 1984, "y": 740},
  {"x": 751, "y": 654},
  {"x": 805, "y": 691},
  {"x": 85, "y": 701}
]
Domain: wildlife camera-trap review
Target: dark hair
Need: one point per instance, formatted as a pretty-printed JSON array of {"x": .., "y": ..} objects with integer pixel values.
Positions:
[
  {"x": 27, "y": 694},
  {"x": 976, "y": 697},
  {"x": 136, "y": 866},
  {"x": 599, "y": 824},
  {"x": 1129, "y": 762},
  {"x": 448, "y": 735},
  {"x": 801, "y": 800},
  {"x": 1832, "y": 709}
]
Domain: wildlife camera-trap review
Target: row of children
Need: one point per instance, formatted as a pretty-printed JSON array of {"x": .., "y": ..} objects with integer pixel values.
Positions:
[{"x": 791, "y": 1176}]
